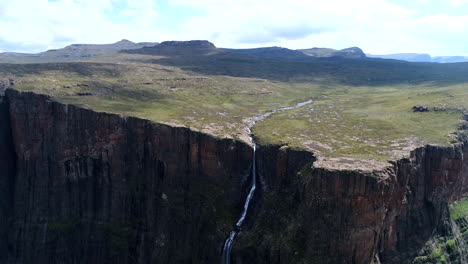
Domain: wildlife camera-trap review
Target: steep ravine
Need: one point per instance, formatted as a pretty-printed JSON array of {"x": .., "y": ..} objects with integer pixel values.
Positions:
[
  {"x": 227, "y": 248},
  {"x": 84, "y": 187}
]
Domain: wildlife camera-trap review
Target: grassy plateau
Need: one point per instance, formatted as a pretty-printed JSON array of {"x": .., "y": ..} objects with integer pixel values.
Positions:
[{"x": 361, "y": 115}]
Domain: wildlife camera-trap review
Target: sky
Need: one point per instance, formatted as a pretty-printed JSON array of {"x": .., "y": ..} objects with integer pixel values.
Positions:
[{"x": 436, "y": 27}]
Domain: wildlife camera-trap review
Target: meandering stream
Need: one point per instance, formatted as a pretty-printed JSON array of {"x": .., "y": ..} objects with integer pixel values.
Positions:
[{"x": 226, "y": 257}]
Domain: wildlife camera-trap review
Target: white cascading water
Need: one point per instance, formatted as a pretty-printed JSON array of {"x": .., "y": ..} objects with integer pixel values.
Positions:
[{"x": 226, "y": 257}]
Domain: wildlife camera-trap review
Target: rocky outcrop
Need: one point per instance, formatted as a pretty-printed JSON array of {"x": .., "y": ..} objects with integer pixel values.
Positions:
[
  {"x": 4, "y": 84},
  {"x": 79, "y": 186},
  {"x": 349, "y": 53},
  {"x": 420, "y": 108},
  {"x": 100, "y": 188},
  {"x": 192, "y": 47}
]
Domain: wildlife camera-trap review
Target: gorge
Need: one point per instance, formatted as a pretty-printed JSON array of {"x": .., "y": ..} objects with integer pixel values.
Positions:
[
  {"x": 80, "y": 186},
  {"x": 230, "y": 240}
]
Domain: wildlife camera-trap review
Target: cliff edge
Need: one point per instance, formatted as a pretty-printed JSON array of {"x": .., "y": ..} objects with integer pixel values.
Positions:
[
  {"x": 80, "y": 186},
  {"x": 101, "y": 188}
]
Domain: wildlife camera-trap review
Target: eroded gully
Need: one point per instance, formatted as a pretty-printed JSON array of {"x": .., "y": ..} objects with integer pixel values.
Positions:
[{"x": 226, "y": 256}]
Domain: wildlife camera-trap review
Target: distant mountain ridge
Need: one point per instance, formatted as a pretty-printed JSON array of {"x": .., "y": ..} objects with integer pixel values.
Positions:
[
  {"x": 271, "y": 53},
  {"x": 202, "y": 47},
  {"x": 177, "y": 48},
  {"x": 99, "y": 49},
  {"x": 421, "y": 57},
  {"x": 77, "y": 52},
  {"x": 72, "y": 52},
  {"x": 301, "y": 54}
]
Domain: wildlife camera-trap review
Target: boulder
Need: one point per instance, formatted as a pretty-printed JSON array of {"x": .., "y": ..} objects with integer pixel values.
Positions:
[{"x": 420, "y": 108}]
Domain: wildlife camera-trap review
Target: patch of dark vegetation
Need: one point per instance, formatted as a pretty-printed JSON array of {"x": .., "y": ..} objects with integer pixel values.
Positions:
[
  {"x": 449, "y": 245},
  {"x": 462, "y": 133},
  {"x": 81, "y": 68},
  {"x": 356, "y": 72},
  {"x": 271, "y": 52},
  {"x": 84, "y": 94}
]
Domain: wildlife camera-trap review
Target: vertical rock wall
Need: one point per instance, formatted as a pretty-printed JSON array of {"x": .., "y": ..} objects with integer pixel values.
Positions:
[
  {"x": 7, "y": 177},
  {"x": 78, "y": 186},
  {"x": 100, "y": 188},
  {"x": 314, "y": 215}
]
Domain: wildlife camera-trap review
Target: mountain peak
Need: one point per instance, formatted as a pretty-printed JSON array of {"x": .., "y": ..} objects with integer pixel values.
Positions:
[
  {"x": 124, "y": 41},
  {"x": 191, "y": 47},
  {"x": 351, "y": 53},
  {"x": 188, "y": 44}
]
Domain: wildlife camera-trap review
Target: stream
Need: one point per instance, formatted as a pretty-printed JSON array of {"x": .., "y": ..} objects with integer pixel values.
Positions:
[{"x": 226, "y": 257}]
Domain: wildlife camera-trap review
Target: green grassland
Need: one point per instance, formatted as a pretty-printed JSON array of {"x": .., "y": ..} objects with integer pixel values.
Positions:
[
  {"x": 369, "y": 122},
  {"x": 361, "y": 109}
]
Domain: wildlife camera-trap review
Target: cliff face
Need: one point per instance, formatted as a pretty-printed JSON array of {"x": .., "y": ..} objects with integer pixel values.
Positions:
[
  {"x": 99, "y": 188},
  {"x": 78, "y": 186},
  {"x": 313, "y": 215},
  {"x": 7, "y": 173}
]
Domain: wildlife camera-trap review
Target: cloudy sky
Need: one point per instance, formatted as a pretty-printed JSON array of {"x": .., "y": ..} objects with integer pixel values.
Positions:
[{"x": 377, "y": 26}]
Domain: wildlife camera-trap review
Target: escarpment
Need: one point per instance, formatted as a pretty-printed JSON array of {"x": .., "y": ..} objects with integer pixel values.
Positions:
[
  {"x": 79, "y": 186},
  {"x": 316, "y": 215},
  {"x": 100, "y": 188}
]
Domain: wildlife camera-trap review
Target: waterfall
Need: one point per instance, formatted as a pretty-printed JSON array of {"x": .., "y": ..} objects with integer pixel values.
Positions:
[{"x": 226, "y": 257}]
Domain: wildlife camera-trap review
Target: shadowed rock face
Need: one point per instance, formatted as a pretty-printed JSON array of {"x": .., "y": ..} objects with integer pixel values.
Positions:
[
  {"x": 99, "y": 188},
  {"x": 192, "y": 47},
  {"x": 188, "y": 44},
  {"x": 7, "y": 174},
  {"x": 78, "y": 186},
  {"x": 271, "y": 53},
  {"x": 312, "y": 215}
]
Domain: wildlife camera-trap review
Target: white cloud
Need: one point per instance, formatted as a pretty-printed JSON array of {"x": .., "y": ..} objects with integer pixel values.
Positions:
[
  {"x": 457, "y": 3},
  {"x": 377, "y": 26},
  {"x": 236, "y": 22},
  {"x": 35, "y": 25}
]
